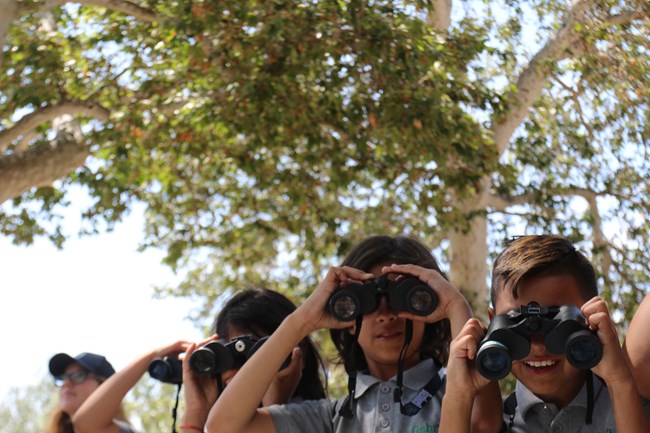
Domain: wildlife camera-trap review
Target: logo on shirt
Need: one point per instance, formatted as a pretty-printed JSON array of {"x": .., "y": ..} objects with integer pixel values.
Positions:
[{"x": 425, "y": 428}]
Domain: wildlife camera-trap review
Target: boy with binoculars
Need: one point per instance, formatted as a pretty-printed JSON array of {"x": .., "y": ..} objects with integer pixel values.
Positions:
[{"x": 550, "y": 328}]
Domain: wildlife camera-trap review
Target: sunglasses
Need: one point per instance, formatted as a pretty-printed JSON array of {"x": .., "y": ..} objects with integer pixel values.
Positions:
[{"x": 76, "y": 377}]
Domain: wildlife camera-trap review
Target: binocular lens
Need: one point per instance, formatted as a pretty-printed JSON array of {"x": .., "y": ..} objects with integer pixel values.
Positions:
[
  {"x": 421, "y": 302},
  {"x": 203, "y": 361},
  {"x": 584, "y": 351},
  {"x": 159, "y": 369},
  {"x": 344, "y": 308},
  {"x": 493, "y": 361}
]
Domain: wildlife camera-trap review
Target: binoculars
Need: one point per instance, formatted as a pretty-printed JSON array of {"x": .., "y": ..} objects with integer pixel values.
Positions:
[
  {"x": 406, "y": 294},
  {"x": 220, "y": 355},
  {"x": 564, "y": 329},
  {"x": 168, "y": 370},
  {"x": 208, "y": 360}
]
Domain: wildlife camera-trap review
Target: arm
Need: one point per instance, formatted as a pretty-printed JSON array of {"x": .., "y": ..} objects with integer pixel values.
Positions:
[
  {"x": 628, "y": 410},
  {"x": 468, "y": 394},
  {"x": 96, "y": 413},
  {"x": 636, "y": 348},
  {"x": 236, "y": 411}
]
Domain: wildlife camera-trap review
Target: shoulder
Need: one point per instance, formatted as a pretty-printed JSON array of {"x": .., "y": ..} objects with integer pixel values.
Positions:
[{"x": 309, "y": 415}]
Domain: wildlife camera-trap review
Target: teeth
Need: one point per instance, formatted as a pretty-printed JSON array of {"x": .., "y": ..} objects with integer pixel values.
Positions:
[{"x": 538, "y": 364}]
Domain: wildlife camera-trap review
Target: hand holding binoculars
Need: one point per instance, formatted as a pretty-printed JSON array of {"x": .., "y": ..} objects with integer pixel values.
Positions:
[
  {"x": 209, "y": 360},
  {"x": 564, "y": 329},
  {"x": 405, "y": 294}
]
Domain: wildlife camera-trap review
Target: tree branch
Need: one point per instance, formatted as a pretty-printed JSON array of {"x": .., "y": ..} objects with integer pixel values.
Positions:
[
  {"x": 9, "y": 10},
  {"x": 39, "y": 166},
  {"x": 440, "y": 15},
  {"x": 122, "y": 6},
  {"x": 49, "y": 113},
  {"x": 535, "y": 74}
]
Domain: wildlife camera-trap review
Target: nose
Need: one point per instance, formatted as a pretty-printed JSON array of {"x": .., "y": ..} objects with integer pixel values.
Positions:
[
  {"x": 384, "y": 311},
  {"x": 537, "y": 345}
]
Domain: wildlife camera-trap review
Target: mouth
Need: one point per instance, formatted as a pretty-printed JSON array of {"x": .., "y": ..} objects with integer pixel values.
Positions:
[
  {"x": 540, "y": 366},
  {"x": 389, "y": 335}
]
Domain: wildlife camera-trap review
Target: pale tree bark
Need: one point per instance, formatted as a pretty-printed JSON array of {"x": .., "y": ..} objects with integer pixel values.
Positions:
[
  {"x": 440, "y": 15},
  {"x": 39, "y": 166},
  {"x": 23, "y": 167},
  {"x": 469, "y": 248}
]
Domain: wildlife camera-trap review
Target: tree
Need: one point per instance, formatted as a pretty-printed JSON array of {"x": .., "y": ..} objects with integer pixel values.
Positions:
[
  {"x": 26, "y": 410},
  {"x": 266, "y": 137}
]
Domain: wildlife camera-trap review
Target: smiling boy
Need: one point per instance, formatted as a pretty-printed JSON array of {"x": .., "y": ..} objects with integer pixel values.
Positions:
[{"x": 551, "y": 395}]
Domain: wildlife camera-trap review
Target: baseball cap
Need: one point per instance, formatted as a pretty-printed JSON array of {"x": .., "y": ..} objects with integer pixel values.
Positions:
[{"x": 96, "y": 364}]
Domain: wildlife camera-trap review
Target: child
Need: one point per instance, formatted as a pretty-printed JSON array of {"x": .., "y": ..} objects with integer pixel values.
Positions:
[
  {"x": 381, "y": 353},
  {"x": 255, "y": 312},
  {"x": 551, "y": 395},
  {"x": 78, "y": 378}
]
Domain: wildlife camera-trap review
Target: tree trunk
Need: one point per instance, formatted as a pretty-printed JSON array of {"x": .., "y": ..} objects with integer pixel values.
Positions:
[{"x": 468, "y": 253}]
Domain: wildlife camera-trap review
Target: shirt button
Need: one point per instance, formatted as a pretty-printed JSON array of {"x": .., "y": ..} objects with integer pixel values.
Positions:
[
  {"x": 384, "y": 423},
  {"x": 557, "y": 428},
  {"x": 385, "y": 389},
  {"x": 547, "y": 409},
  {"x": 385, "y": 407}
]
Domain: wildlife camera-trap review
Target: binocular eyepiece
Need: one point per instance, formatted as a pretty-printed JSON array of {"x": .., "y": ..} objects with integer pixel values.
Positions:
[
  {"x": 406, "y": 294},
  {"x": 564, "y": 329}
]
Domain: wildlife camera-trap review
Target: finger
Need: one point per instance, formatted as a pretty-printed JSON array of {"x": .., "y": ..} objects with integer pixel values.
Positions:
[{"x": 295, "y": 365}]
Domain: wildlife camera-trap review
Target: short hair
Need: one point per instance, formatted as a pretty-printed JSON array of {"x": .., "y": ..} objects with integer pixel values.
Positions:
[
  {"x": 541, "y": 255},
  {"x": 376, "y": 250}
]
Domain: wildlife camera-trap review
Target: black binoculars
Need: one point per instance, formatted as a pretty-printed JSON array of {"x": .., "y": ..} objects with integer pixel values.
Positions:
[
  {"x": 564, "y": 329},
  {"x": 220, "y": 355},
  {"x": 406, "y": 294},
  {"x": 168, "y": 370}
]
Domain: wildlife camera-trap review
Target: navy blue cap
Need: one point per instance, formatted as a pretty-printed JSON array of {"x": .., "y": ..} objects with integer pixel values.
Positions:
[{"x": 96, "y": 364}]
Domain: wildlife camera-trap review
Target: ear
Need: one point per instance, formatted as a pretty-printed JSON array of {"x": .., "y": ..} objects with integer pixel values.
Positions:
[
  {"x": 491, "y": 313},
  {"x": 351, "y": 329}
]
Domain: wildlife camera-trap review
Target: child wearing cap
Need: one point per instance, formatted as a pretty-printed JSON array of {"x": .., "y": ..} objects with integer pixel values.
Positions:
[
  {"x": 97, "y": 413},
  {"x": 78, "y": 378},
  {"x": 551, "y": 395}
]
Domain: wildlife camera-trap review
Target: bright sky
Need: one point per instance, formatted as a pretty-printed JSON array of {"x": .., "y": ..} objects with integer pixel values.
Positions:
[{"x": 95, "y": 295}]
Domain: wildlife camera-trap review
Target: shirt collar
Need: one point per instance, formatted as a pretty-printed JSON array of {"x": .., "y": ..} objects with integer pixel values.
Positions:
[
  {"x": 414, "y": 379},
  {"x": 526, "y": 399}
]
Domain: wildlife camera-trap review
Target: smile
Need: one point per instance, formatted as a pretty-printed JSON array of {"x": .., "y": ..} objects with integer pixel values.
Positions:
[{"x": 540, "y": 364}]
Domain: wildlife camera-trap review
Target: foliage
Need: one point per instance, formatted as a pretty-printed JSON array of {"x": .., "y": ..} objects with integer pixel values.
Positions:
[
  {"x": 27, "y": 410},
  {"x": 266, "y": 137}
]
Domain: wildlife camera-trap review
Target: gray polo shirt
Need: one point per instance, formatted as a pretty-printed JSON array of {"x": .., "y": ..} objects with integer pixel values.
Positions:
[
  {"x": 533, "y": 415},
  {"x": 375, "y": 410}
]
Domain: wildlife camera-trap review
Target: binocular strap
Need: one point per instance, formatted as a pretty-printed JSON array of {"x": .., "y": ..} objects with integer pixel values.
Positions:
[
  {"x": 346, "y": 410},
  {"x": 175, "y": 408},
  {"x": 510, "y": 404},
  {"x": 425, "y": 394}
]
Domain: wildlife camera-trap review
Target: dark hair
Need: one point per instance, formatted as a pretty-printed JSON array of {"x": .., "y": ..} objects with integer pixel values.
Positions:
[
  {"x": 541, "y": 255},
  {"x": 261, "y": 311},
  {"x": 376, "y": 250}
]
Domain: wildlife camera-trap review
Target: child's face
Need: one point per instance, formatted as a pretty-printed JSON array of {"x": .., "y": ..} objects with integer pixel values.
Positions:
[
  {"x": 548, "y": 376},
  {"x": 382, "y": 337}
]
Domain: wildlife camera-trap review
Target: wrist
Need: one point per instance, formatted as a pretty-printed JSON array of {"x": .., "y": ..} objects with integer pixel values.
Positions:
[
  {"x": 459, "y": 400},
  {"x": 191, "y": 427}
]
